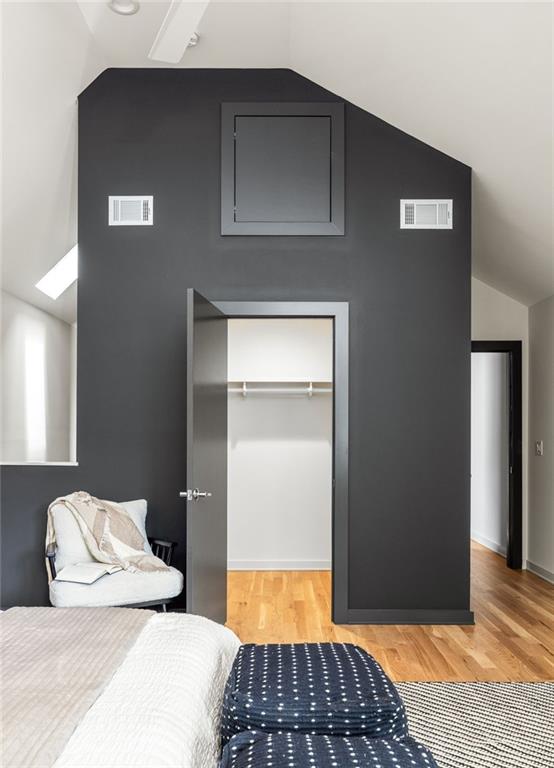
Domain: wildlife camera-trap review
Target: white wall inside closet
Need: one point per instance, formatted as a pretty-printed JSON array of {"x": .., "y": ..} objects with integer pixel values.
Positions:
[{"x": 280, "y": 446}]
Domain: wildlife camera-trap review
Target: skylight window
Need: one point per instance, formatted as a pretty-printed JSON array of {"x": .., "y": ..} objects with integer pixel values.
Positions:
[{"x": 61, "y": 276}]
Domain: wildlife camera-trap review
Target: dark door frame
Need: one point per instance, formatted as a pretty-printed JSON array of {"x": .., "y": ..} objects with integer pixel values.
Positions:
[
  {"x": 515, "y": 524},
  {"x": 338, "y": 312}
]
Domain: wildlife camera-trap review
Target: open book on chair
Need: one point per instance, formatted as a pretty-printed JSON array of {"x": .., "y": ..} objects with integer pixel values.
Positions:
[{"x": 86, "y": 573}]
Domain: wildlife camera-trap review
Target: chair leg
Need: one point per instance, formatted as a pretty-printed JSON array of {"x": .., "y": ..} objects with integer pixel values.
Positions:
[{"x": 164, "y": 607}]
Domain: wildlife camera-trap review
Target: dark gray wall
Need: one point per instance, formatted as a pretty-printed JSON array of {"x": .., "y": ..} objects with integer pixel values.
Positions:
[{"x": 158, "y": 132}]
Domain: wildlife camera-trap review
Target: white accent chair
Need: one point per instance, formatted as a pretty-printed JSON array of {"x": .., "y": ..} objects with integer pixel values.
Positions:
[{"x": 124, "y": 588}]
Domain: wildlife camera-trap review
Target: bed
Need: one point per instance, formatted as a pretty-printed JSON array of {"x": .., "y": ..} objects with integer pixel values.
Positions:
[{"x": 117, "y": 687}]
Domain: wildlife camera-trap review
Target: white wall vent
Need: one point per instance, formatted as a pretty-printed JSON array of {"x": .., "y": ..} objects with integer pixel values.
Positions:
[
  {"x": 426, "y": 214},
  {"x": 130, "y": 210}
]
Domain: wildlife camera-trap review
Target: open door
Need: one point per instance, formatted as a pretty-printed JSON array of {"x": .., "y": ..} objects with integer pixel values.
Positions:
[{"x": 206, "y": 497}]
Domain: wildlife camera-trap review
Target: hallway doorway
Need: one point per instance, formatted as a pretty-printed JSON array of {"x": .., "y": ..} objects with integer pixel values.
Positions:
[{"x": 496, "y": 448}]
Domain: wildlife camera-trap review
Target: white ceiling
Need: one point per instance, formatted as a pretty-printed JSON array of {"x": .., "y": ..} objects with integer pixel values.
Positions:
[
  {"x": 472, "y": 79},
  {"x": 251, "y": 34},
  {"x": 48, "y": 57}
]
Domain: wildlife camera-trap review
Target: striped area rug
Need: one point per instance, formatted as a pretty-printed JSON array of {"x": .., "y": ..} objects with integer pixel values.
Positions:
[{"x": 483, "y": 725}]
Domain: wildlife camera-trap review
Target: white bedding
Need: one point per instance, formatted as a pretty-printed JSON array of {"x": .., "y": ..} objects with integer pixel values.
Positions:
[{"x": 161, "y": 709}]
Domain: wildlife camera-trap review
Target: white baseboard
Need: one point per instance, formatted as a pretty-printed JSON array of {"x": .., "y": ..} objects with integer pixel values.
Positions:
[
  {"x": 488, "y": 543},
  {"x": 538, "y": 570},
  {"x": 279, "y": 565}
]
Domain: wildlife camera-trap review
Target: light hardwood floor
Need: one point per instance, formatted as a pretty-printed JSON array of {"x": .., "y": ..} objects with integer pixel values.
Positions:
[{"x": 513, "y": 636}]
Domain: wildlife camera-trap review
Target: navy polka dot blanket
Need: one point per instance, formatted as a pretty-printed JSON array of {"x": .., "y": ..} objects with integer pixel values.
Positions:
[
  {"x": 315, "y": 688},
  {"x": 298, "y": 750}
]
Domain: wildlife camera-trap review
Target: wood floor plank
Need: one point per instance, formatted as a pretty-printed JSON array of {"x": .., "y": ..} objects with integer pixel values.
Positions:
[{"x": 512, "y": 640}]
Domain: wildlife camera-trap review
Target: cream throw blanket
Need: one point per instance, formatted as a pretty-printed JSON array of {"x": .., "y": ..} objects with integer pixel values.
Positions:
[{"x": 109, "y": 532}]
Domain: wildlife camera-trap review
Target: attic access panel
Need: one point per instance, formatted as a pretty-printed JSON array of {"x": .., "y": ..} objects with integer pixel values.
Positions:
[{"x": 282, "y": 169}]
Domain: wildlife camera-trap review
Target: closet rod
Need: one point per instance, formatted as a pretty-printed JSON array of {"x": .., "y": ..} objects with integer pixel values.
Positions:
[{"x": 287, "y": 390}]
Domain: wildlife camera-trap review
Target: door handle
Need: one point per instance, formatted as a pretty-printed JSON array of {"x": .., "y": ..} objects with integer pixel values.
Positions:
[{"x": 194, "y": 495}]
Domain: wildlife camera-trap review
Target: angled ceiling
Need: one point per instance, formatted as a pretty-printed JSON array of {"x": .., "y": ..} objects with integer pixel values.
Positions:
[
  {"x": 472, "y": 79},
  {"x": 250, "y": 34},
  {"x": 48, "y": 57}
]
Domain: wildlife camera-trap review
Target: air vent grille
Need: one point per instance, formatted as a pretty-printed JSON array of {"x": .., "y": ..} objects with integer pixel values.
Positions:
[
  {"x": 130, "y": 210},
  {"x": 409, "y": 213},
  {"x": 426, "y": 214}
]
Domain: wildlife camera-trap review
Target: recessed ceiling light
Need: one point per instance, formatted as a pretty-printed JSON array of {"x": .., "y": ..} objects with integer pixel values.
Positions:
[
  {"x": 61, "y": 276},
  {"x": 124, "y": 7}
]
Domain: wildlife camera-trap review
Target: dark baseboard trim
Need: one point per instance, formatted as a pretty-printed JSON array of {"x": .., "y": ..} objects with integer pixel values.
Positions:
[
  {"x": 407, "y": 616},
  {"x": 394, "y": 616}
]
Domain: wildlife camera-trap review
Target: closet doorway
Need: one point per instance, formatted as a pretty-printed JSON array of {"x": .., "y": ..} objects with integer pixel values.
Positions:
[
  {"x": 288, "y": 439},
  {"x": 280, "y": 431}
]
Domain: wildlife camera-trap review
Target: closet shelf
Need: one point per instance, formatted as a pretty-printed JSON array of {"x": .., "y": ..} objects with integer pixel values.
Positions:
[{"x": 308, "y": 388}]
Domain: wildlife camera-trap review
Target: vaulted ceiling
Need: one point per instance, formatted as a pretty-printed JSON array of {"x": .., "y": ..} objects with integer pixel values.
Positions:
[{"x": 472, "y": 79}]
